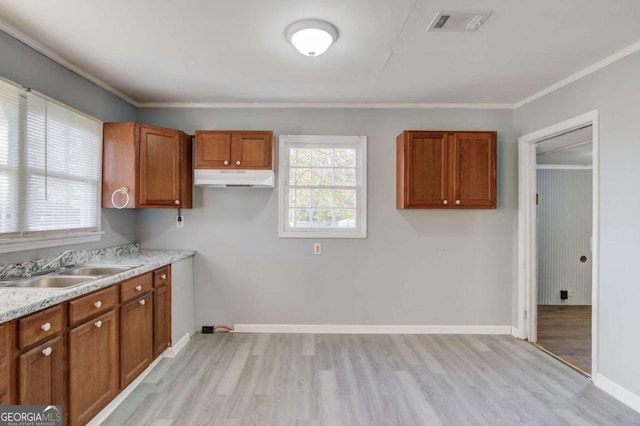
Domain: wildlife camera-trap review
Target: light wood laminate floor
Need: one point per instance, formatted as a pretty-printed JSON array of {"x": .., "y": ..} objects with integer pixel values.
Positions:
[
  {"x": 306, "y": 379},
  {"x": 565, "y": 330}
]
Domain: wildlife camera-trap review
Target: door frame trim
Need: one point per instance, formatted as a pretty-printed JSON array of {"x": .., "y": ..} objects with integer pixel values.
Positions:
[{"x": 527, "y": 242}]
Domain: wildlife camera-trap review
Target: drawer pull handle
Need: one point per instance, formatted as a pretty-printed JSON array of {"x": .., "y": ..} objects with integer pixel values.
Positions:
[
  {"x": 138, "y": 287},
  {"x": 98, "y": 304},
  {"x": 98, "y": 324},
  {"x": 47, "y": 351},
  {"x": 46, "y": 326},
  {"x": 142, "y": 302},
  {"x": 163, "y": 276}
]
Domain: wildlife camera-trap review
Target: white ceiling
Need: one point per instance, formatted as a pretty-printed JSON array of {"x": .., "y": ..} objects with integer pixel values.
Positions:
[{"x": 215, "y": 51}]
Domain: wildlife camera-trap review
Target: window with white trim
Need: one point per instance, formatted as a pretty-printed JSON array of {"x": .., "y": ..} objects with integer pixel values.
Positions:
[
  {"x": 50, "y": 172},
  {"x": 322, "y": 187}
]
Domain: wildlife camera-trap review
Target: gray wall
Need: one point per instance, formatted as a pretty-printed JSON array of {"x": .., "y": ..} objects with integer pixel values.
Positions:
[
  {"x": 615, "y": 93},
  {"x": 430, "y": 267},
  {"x": 564, "y": 232},
  {"x": 25, "y": 66}
]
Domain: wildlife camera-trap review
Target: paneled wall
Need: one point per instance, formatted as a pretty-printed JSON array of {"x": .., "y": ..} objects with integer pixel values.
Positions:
[{"x": 564, "y": 231}]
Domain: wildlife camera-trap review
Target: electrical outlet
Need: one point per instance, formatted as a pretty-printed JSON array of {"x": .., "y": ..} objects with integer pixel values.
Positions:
[
  {"x": 179, "y": 221},
  {"x": 317, "y": 248},
  {"x": 570, "y": 291}
]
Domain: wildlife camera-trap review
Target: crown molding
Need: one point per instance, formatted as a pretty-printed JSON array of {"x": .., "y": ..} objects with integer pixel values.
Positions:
[
  {"x": 40, "y": 48},
  {"x": 580, "y": 74},
  {"x": 328, "y": 105}
]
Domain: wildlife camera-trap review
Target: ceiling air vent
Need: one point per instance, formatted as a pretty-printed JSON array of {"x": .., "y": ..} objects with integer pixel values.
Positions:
[{"x": 459, "y": 21}]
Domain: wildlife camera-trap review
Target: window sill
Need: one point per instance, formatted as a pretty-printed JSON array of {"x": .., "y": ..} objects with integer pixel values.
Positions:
[
  {"x": 20, "y": 244},
  {"x": 322, "y": 234}
]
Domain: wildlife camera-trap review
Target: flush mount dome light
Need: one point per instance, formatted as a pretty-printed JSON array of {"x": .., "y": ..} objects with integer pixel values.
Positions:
[{"x": 311, "y": 37}]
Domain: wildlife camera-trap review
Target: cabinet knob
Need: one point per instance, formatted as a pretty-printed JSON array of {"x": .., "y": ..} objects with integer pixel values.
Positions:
[
  {"x": 177, "y": 202},
  {"x": 457, "y": 201},
  {"x": 163, "y": 276},
  {"x": 98, "y": 324},
  {"x": 46, "y": 326},
  {"x": 238, "y": 163},
  {"x": 226, "y": 162},
  {"x": 97, "y": 304},
  {"x": 445, "y": 202},
  {"x": 142, "y": 302},
  {"x": 138, "y": 287},
  {"x": 47, "y": 351}
]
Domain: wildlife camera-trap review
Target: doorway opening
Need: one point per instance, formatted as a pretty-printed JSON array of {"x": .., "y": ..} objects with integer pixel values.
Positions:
[
  {"x": 530, "y": 294},
  {"x": 564, "y": 206}
]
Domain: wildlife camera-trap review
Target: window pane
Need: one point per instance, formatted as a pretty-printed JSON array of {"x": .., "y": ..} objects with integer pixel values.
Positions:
[
  {"x": 322, "y": 177},
  {"x": 345, "y": 198},
  {"x": 322, "y": 198},
  {"x": 345, "y": 218},
  {"x": 300, "y": 157},
  {"x": 322, "y": 218},
  {"x": 345, "y": 177},
  {"x": 299, "y": 198},
  {"x": 299, "y": 176},
  {"x": 300, "y": 218},
  {"x": 322, "y": 157},
  {"x": 345, "y": 157}
]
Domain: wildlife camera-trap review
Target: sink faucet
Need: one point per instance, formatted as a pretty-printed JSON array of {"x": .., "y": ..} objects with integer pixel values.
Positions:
[{"x": 46, "y": 268}]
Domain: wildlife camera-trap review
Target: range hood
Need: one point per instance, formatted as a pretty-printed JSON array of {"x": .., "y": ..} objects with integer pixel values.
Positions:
[{"x": 215, "y": 178}]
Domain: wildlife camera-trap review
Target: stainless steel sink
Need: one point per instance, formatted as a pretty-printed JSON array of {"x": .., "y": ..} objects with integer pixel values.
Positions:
[
  {"x": 53, "y": 281},
  {"x": 97, "y": 270}
]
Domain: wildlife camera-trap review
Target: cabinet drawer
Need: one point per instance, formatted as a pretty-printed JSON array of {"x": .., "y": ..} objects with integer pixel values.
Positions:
[
  {"x": 37, "y": 327},
  {"x": 135, "y": 287},
  {"x": 93, "y": 304},
  {"x": 162, "y": 276}
]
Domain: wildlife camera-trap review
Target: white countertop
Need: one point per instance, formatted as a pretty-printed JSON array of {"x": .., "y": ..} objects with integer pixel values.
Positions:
[{"x": 17, "y": 302}]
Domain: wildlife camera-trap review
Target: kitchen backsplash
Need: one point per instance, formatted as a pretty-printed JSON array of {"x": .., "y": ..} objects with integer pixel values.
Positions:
[{"x": 74, "y": 258}]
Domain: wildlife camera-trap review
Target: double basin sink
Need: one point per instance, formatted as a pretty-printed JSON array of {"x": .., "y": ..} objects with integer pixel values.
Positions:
[{"x": 67, "y": 277}]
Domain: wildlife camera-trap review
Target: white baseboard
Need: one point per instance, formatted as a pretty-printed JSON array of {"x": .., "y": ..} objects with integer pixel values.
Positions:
[
  {"x": 371, "y": 329},
  {"x": 170, "y": 352},
  {"x": 617, "y": 391}
]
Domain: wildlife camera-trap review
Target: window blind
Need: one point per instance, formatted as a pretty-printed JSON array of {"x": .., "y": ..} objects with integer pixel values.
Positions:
[
  {"x": 50, "y": 168},
  {"x": 63, "y": 165},
  {"x": 9, "y": 159}
]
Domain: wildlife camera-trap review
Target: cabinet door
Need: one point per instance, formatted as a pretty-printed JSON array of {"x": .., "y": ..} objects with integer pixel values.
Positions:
[
  {"x": 426, "y": 170},
  {"x": 161, "y": 319},
  {"x": 473, "y": 165},
  {"x": 93, "y": 353},
  {"x": 7, "y": 348},
  {"x": 160, "y": 176},
  {"x": 213, "y": 150},
  {"x": 136, "y": 338},
  {"x": 42, "y": 374},
  {"x": 252, "y": 150}
]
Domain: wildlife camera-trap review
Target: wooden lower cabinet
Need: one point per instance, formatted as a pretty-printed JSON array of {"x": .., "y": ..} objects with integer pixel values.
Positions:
[
  {"x": 42, "y": 374},
  {"x": 136, "y": 338},
  {"x": 7, "y": 359},
  {"x": 93, "y": 367},
  {"x": 161, "y": 320}
]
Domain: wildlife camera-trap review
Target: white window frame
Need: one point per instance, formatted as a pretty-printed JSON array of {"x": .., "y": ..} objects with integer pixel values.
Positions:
[
  {"x": 55, "y": 238},
  {"x": 309, "y": 141}
]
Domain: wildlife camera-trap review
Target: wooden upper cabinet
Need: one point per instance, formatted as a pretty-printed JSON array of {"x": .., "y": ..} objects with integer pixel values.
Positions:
[
  {"x": 446, "y": 170},
  {"x": 234, "y": 149},
  {"x": 153, "y": 163}
]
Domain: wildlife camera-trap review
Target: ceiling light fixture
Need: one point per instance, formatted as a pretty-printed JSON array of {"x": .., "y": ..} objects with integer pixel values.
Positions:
[{"x": 311, "y": 37}]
